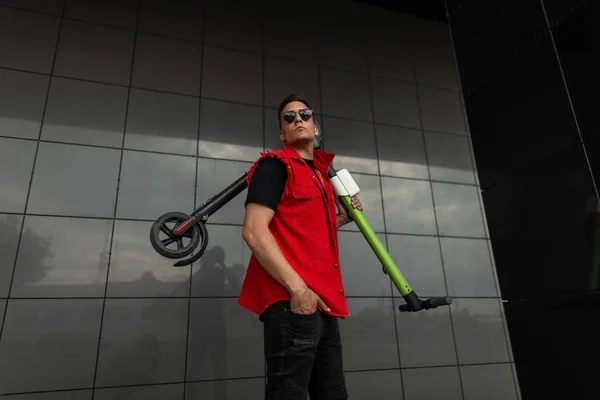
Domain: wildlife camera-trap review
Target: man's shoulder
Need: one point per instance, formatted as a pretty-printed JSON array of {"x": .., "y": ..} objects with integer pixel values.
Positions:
[{"x": 273, "y": 158}]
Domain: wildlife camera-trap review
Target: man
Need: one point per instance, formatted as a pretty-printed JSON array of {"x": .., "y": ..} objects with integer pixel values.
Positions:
[{"x": 293, "y": 281}]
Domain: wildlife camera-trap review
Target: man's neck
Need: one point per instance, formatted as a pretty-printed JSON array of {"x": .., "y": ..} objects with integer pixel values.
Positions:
[{"x": 307, "y": 152}]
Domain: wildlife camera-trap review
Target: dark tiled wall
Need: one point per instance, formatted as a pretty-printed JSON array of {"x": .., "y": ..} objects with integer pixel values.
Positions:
[
  {"x": 526, "y": 71},
  {"x": 112, "y": 113}
]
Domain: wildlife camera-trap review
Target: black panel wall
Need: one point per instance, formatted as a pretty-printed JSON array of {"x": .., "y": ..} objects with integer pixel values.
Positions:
[{"x": 526, "y": 69}]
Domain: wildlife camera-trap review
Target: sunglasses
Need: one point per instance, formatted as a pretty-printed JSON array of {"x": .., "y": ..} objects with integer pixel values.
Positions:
[{"x": 290, "y": 116}]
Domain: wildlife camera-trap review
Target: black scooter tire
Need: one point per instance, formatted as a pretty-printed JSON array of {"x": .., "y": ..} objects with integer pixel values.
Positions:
[{"x": 198, "y": 232}]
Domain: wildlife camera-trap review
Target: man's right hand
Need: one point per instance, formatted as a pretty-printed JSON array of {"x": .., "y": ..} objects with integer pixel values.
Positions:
[{"x": 307, "y": 302}]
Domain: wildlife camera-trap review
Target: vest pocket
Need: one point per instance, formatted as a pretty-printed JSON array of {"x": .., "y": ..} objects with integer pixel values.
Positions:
[{"x": 305, "y": 191}]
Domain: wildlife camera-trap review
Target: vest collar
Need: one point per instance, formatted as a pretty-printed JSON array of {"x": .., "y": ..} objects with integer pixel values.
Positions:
[{"x": 321, "y": 159}]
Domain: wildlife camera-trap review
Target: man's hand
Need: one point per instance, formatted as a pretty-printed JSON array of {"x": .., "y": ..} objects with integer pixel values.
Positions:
[
  {"x": 343, "y": 218},
  {"x": 307, "y": 302}
]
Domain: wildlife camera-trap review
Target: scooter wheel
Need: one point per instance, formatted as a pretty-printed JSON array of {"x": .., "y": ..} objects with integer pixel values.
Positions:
[{"x": 170, "y": 245}]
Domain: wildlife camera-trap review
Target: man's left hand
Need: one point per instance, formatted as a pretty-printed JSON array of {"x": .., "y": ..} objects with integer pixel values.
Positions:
[{"x": 343, "y": 217}]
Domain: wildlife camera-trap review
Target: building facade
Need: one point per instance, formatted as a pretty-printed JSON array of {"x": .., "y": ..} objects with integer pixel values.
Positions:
[{"x": 113, "y": 113}]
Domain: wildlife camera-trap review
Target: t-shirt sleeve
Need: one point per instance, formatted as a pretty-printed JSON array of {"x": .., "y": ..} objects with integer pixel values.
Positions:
[{"x": 267, "y": 184}]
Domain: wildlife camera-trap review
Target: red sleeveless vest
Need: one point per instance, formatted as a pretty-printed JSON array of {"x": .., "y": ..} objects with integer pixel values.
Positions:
[{"x": 304, "y": 226}]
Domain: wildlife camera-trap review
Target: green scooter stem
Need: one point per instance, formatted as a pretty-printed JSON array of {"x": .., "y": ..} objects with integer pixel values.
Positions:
[
  {"x": 378, "y": 247},
  {"x": 413, "y": 303}
]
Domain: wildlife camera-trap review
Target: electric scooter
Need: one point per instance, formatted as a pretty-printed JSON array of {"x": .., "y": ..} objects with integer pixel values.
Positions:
[{"x": 188, "y": 233}]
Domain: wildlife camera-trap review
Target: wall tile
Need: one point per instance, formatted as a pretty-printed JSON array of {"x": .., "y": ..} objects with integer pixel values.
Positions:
[
  {"x": 441, "y": 110},
  {"x": 166, "y": 184},
  {"x": 494, "y": 382},
  {"x": 137, "y": 270},
  {"x": 468, "y": 269},
  {"x": 167, "y": 64},
  {"x": 401, "y": 152},
  {"x": 232, "y": 75},
  {"x": 369, "y": 335},
  {"x": 374, "y": 384},
  {"x": 85, "y": 113},
  {"x": 361, "y": 269},
  {"x": 425, "y": 338},
  {"x": 458, "y": 210},
  {"x": 74, "y": 180},
  {"x": 16, "y": 163},
  {"x": 277, "y": 29},
  {"x": 408, "y": 206},
  {"x": 52, "y": 342},
  {"x": 162, "y": 122},
  {"x": 388, "y": 49},
  {"x": 419, "y": 259},
  {"x": 22, "y": 101},
  {"x": 431, "y": 383},
  {"x": 284, "y": 77},
  {"x": 52, "y": 262},
  {"x": 234, "y": 24},
  {"x": 179, "y": 19},
  {"x": 118, "y": 13},
  {"x": 433, "y": 54},
  {"x": 153, "y": 351},
  {"x": 395, "y": 103},
  {"x": 346, "y": 94},
  {"x": 27, "y": 40},
  {"x": 154, "y": 392},
  {"x": 94, "y": 52},
  {"x": 230, "y": 131},
  {"x": 449, "y": 158},
  {"x": 53, "y": 7},
  {"x": 222, "y": 268},
  {"x": 70, "y": 395},
  {"x": 479, "y": 331},
  {"x": 10, "y": 228},
  {"x": 225, "y": 341},
  {"x": 253, "y": 388},
  {"x": 352, "y": 142}
]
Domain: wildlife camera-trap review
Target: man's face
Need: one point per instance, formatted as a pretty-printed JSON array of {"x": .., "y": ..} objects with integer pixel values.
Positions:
[{"x": 297, "y": 132}]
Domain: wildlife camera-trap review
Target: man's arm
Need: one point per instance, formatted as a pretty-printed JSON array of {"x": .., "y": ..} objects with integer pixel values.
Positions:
[
  {"x": 342, "y": 218},
  {"x": 263, "y": 245}
]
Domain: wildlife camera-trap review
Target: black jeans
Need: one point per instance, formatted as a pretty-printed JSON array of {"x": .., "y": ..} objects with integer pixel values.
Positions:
[{"x": 303, "y": 355}]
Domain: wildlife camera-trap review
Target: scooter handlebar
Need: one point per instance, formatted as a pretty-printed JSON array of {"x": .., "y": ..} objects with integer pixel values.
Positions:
[{"x": 432, "y": 302}]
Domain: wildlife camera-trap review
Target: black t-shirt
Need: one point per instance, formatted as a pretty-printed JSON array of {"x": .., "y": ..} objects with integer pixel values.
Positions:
[{"x": 268, "y": 182}]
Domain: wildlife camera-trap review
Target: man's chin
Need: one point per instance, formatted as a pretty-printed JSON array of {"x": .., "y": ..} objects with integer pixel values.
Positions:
[{"x": 302, "y": 140}]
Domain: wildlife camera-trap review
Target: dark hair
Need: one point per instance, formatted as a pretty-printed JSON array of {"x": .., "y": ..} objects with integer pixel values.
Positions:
[{"x": 289, "y": 99}]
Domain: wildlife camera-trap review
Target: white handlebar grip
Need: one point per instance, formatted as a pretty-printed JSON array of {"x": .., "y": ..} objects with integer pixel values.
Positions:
[{"x": 343, "y": 184}]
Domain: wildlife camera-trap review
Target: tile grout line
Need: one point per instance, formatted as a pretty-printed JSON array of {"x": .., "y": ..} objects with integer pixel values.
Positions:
[
  {"x": 435, "y": 216},
  {"x": 3, "y": 324},
  {"x": 195, "y": 202},
  {"x": 245, "y": 378},
  {"x": 136, "y": 298},
  {"x": 157, "y": 152},
  {"x": 568, "y": 93},
  {"x": 143, "y": 220},
  {"x": 222, "y": 100},
  {"x": 114, "y": 218},
  {"x": 391, "y": 286}
]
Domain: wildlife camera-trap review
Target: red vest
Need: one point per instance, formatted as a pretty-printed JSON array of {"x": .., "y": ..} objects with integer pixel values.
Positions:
[{"x": 306, "y": 232}]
